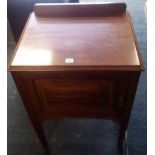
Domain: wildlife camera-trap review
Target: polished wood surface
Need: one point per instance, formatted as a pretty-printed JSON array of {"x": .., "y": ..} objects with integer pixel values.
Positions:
[
  {"x": 89, "y": 41},
  {"x": 78, "y": 67}
]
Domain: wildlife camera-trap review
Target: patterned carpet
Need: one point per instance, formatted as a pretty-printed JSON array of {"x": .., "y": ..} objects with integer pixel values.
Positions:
[{"x": 82, "y": 136}]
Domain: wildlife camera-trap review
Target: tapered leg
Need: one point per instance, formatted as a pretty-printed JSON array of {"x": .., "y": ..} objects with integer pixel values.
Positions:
[
  {"x": 40, "y": 132},
  {"x": 121, "y": 136}
]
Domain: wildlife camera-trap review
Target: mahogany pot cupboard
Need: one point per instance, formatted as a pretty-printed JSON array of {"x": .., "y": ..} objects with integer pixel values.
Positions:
[{"x": 78, "y": 61}]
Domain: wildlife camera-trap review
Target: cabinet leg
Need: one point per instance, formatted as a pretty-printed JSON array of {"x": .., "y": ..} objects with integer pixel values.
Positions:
[
  {"x": 121, "y": 136},
  {"x": 40, "y": 133}
]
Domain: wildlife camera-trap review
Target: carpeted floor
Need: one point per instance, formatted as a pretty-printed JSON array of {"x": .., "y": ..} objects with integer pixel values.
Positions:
[{"x": 82, "y": 136}]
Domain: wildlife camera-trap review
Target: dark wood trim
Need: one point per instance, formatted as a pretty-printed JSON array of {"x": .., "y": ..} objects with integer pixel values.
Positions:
[
  {"x": 79, "y": 9},
  {"x": 73, "y": 68}
]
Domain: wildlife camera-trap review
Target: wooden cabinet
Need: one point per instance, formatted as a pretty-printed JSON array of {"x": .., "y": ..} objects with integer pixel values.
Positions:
[{"x": 81, "y": 65}]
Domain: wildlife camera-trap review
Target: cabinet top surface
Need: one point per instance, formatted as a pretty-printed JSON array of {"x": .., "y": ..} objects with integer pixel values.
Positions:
[{"x": 77, "y": 41}]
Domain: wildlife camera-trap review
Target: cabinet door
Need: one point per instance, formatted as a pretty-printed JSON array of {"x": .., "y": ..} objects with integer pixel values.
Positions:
[
  {"x": 78, "y": 94},
  {"x": 70, "y": 94}
]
